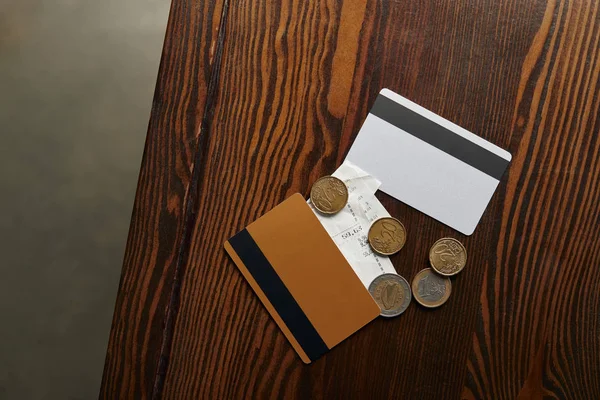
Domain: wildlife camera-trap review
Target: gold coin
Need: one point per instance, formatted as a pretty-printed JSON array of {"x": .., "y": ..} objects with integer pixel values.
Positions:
[
  {"x": 391, "y": 292},
  {"x": 387, "y": 236},
  {"x": 448, "y": 256},
  {"x": 430, "y": 289},
  {"x": 329, "y": 195}
]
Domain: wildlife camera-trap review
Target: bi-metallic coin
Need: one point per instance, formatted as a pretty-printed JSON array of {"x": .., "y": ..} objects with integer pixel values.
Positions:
[
  {"x": 430, "y": 289},
  {"x": 392, "y": 293}
]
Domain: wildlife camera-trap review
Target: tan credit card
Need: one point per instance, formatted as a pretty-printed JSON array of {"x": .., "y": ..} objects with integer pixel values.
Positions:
[{"x": 302, "y": 279}]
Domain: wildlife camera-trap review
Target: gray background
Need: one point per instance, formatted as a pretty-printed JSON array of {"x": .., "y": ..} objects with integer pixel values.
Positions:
[{"x": 76, "y": 85}]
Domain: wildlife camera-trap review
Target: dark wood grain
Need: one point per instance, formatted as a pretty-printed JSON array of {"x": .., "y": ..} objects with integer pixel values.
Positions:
[
  {"x": 538, "y": 328},
  {"x": 290, "y": 90},
  {"x": 152, "y": 256}
]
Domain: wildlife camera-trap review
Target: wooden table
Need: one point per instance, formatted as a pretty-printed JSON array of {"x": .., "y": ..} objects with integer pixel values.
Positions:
[{"x": 256, "y": 99}]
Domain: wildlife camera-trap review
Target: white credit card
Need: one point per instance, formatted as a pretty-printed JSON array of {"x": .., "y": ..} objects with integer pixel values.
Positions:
[{"x": 428, "y": 162}]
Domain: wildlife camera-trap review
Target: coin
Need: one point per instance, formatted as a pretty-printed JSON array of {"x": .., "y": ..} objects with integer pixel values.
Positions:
[
  {"x": 329, "y": 194},
  {"x": 387, "y": 236},
  {"x": 391, "y": 293},
  {"x": 430, "y": 289},
  {"x": 448, "y": 256}
]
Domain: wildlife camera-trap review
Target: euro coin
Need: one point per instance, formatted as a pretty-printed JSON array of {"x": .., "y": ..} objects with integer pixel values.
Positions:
[
  {"x": 329, "y": 195},
  {"x": 430, "y": 289},
  {"x": 387, "y": 236},
  {"x": 448, "y": 256},
  {"x": 391, "y": 292}
]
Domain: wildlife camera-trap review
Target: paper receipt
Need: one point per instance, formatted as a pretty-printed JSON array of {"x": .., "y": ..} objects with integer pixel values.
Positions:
[{"x": 349, "y": 227}]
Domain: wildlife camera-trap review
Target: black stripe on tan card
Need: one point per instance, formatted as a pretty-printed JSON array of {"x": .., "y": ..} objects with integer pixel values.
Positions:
[
  {"x": 282, "y": 300},
  {"x": 439, "y": 137}
]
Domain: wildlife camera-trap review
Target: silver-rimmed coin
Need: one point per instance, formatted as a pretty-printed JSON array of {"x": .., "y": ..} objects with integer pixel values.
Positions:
[{"x": 392, "y": 293}]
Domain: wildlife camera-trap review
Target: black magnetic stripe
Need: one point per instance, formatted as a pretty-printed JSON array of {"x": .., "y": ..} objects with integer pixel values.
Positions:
[
  {"x": 440, "y": 137},
  {"x": 282, "y": 300}
]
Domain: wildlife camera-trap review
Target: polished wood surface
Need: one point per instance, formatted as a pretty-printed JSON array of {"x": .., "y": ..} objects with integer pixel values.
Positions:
[{"x": 257, "y": 99}]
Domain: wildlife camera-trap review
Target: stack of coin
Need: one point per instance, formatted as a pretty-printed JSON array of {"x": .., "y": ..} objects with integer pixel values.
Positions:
[
  {"x": 432, "y": 286},
  {"x": 391, "y": 292},
  {"x": 329, "y": 195}
]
